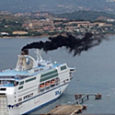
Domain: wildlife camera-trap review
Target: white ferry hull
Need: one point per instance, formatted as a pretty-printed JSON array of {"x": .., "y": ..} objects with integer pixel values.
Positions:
[
  {"x": 32, "y": 84},
  {"x": 43, "y": 99},
  {"x": 38, "y": 101}
]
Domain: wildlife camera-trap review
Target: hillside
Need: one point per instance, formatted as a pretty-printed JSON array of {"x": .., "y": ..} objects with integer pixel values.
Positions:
[{"x": 85, "y": 15}]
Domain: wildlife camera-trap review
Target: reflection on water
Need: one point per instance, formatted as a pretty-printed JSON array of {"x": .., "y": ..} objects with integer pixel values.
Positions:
[{"x": 95, "y": 72}]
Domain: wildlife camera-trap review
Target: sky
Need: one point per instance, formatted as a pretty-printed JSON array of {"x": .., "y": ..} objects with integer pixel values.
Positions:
[{"x": 56, "y": 5}]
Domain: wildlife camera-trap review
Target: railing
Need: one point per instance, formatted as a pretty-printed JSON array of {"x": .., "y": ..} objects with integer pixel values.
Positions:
[{"x": 80, "y": 98}]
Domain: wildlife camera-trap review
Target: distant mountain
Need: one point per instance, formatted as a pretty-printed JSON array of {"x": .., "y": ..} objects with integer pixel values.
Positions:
[
  {"x": 86, "y": 15},
  {"x": 57, "y": 6}
]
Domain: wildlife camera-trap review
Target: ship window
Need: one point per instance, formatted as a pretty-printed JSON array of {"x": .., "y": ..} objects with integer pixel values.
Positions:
[
  {"x": 20, "y": 87},
  {"x": 22, "y": 82},
  {"x": 49, "y": 73},
  {"x": 63, "y": 67},
  {"x": 28, "y": 96},
  {"x": 41, "y": 90},
  {"x": 2, "y": 89},
  {"x": 20, "y": 99},
  {"x": 48, "y": 77},
  {"x": 8, "y": 83},
  {"x": 57, "y": 81},
  {"x": 31, "y": 79},
  {"x": 2, "y": 94}
]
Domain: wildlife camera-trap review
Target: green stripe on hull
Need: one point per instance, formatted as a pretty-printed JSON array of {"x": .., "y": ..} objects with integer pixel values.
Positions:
[{"x": 49, "y": 75}]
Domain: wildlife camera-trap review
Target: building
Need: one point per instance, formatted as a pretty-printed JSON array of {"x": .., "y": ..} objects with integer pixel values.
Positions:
[{"x": 19, "y": 32}]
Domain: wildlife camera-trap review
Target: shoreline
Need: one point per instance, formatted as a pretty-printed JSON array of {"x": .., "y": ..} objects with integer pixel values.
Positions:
[
  {"x": 42, "y": 36},
  {"x": 22, "y": 37}
]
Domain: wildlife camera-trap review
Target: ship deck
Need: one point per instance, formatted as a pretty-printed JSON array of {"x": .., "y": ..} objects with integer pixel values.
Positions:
[{"x": 18, "y": 75}]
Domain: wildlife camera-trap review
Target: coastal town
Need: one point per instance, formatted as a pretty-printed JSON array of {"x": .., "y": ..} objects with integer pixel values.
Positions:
[
  {"x": 57, "y": 57},
  {"x": 46, "y": 24}
]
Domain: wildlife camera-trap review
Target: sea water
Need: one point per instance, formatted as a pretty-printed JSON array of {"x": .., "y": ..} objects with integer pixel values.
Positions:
[{"x": 95, "y": 72}]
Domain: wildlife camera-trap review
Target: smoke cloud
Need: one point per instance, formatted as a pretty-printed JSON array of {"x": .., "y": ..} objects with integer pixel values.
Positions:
[{"x": 72, "y": 43}]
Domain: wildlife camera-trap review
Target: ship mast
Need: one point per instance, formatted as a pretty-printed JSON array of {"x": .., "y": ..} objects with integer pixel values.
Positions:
[{"x": 38, "y": 55}]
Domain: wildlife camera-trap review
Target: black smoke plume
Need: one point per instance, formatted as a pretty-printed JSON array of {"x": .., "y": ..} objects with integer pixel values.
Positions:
[{"x": 69, "y": 41}]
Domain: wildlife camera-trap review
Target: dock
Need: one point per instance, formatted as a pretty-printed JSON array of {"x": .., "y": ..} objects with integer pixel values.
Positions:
[
  {"x": 81, "y": 98},
  {"x": 67, "y": 110},
  {"x": 75, "y": 108}
]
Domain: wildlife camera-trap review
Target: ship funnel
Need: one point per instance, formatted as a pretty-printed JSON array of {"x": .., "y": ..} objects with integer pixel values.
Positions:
[{"x": 25, "y": 52}]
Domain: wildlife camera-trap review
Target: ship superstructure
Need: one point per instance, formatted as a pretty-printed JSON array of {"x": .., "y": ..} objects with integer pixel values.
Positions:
[{"x": 32, "y": 84}]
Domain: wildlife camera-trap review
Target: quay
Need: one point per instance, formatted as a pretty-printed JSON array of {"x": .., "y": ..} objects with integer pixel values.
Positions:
[
  {"x": 75, "y": 108},
  {"x": 67, "y": 110}
]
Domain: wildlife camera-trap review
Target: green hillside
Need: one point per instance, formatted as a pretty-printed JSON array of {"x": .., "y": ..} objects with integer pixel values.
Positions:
[{"x": 85, "y": 15}]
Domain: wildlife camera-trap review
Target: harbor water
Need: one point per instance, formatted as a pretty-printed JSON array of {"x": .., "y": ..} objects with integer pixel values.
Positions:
[{"x": 95, "y": 72}]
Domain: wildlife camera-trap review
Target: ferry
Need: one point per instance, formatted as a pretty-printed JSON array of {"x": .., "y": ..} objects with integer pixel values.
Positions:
[{"x": 34, "y": 83}]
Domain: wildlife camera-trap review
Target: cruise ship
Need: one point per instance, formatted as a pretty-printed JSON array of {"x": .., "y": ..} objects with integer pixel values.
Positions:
[{"x": 34, "y": 83}]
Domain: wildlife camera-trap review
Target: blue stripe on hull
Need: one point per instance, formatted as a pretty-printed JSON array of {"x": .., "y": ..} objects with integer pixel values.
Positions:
[{"x": 42, "y": 105}]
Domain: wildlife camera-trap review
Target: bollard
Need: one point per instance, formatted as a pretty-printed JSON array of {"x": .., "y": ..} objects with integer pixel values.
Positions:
[
  {"x": 87, "y": 97},
  {"x": 98, "y": 96},
  {"x": 79, "y": 111},
  {"x": 84, "y": 107}
]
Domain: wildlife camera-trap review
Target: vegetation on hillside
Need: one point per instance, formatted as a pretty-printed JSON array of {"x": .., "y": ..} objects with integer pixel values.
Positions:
[{"x": 85, "y": 15}]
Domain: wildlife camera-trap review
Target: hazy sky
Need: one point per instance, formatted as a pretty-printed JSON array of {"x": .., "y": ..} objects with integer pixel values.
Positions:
[{"x": 55, "y": 5}]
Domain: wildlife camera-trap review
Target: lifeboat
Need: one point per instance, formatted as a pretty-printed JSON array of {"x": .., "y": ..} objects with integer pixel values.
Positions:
[
  {"x": 42, "y": 85},
  {"x": 47, "y": 84},
  {"x": 53, "y": 82}
]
